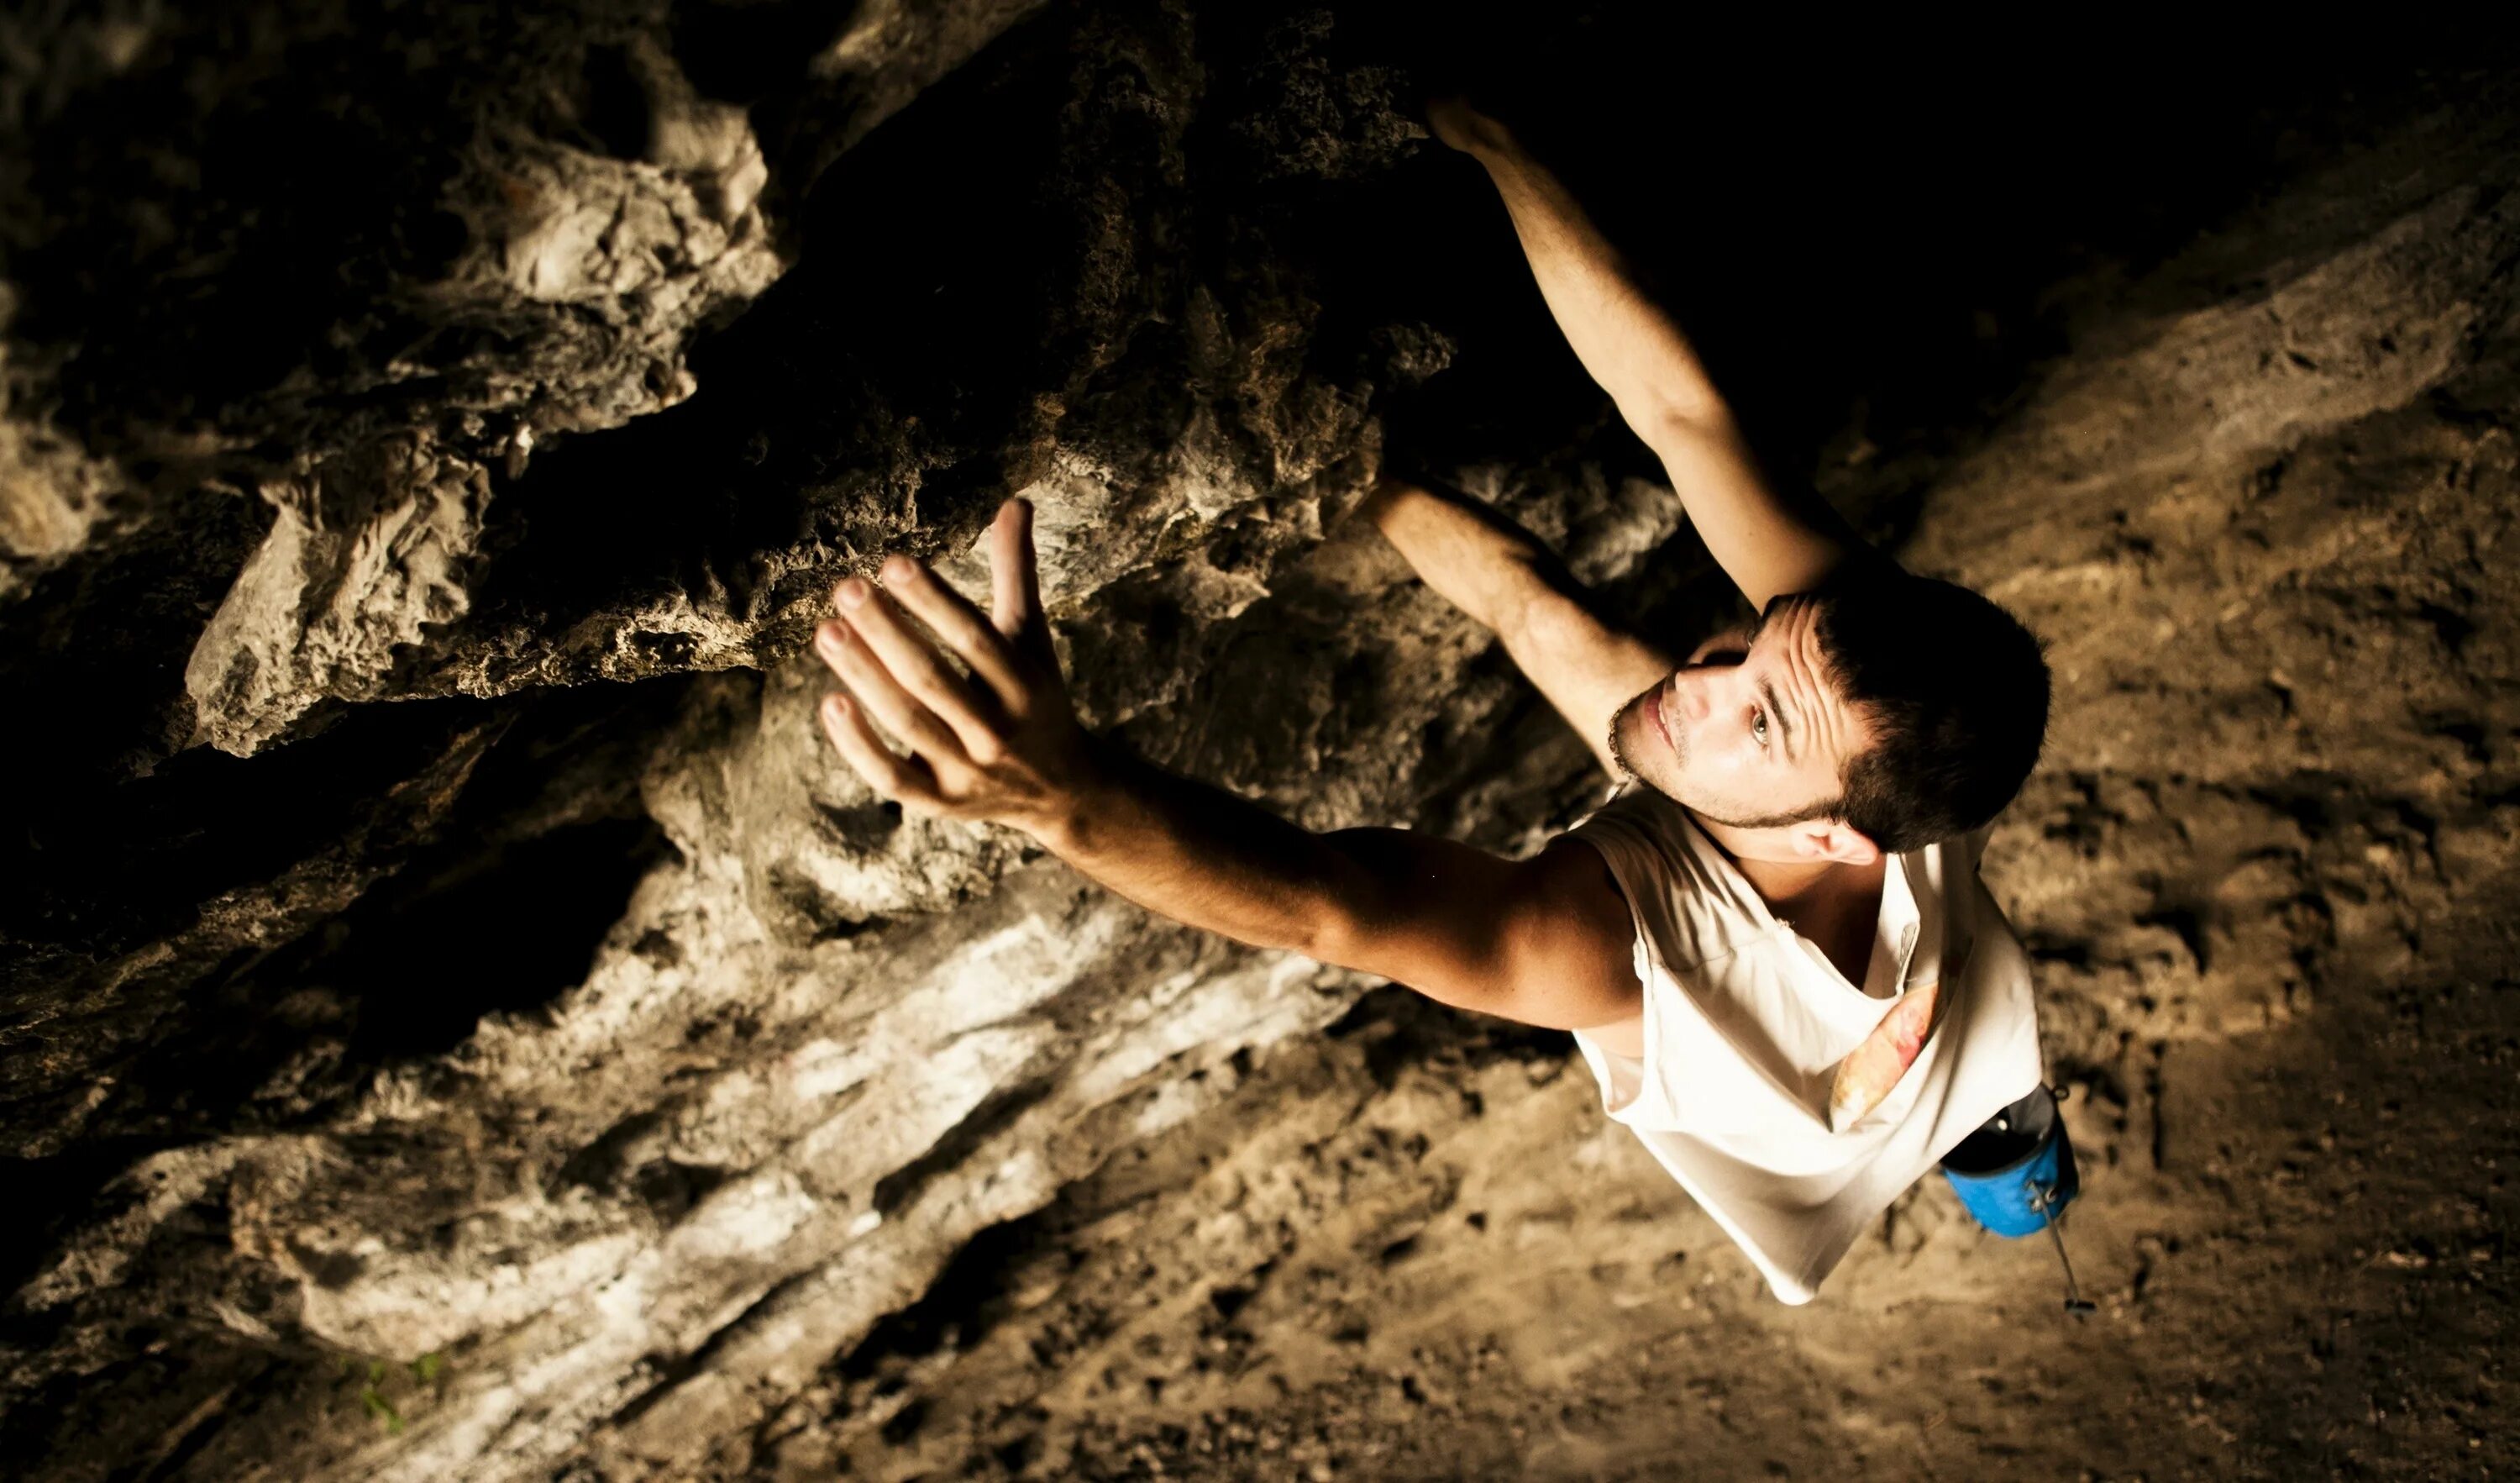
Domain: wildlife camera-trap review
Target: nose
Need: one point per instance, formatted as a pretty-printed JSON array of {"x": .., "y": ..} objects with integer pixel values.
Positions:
[{"x": 1691, "y": 695}]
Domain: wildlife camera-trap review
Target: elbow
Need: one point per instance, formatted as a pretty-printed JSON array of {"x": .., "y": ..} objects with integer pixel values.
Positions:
[
  {"x": 1316, "y": 940},
  {"x": 1669, "y": 418},
  {"x": 1527, "y": 591},
  {"x": 1338, "y": 934}
]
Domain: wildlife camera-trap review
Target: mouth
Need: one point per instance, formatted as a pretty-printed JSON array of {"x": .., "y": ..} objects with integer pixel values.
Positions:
[{"x": 1662, "y": 727}]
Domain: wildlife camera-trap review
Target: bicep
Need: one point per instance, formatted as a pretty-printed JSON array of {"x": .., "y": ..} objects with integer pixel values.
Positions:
[{"x": 1544, "y": 941}]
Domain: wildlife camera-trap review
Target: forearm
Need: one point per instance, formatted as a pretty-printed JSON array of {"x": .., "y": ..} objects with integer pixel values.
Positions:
[
  {"x": 1481, "y": 563},
  {"x": 1000, "y": 741},
  {"x": 1451, "y": 922},
  {"x": 1766, "y": 541},
  {"x": 1498, "y": 573},
  {"x": 1629, "y": 343},
  {"x": 1202, "y": 856}
]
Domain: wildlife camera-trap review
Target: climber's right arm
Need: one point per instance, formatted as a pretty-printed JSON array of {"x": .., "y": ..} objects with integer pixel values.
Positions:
[
  {"x": 1501, "y": 576},
  {"x": 1544, "y": 941}
]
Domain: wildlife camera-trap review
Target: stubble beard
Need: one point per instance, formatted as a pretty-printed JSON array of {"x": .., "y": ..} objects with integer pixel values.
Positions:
[
  {"x": 1618, "y": 746},
  {"x": 1679, "y": 752}
]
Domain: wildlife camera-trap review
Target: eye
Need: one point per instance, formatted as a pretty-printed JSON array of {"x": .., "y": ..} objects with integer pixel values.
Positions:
[{"x": 1759, "y": 727}]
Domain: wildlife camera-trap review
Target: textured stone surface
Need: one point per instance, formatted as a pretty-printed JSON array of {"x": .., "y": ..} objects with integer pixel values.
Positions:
[
  {"x": 302, "y": 1052},
  {"x": 461, "y": 1021}
]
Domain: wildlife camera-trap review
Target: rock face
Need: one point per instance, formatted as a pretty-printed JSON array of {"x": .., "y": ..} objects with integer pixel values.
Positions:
[{"x": 461, "y": 1021}]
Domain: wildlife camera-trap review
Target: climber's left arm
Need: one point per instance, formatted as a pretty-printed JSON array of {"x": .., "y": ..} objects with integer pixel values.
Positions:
[{"x": 1768, "y": 538}]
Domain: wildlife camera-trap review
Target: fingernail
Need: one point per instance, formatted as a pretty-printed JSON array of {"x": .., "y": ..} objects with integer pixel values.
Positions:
[
  {"x": 897, "y": 569},
  {"x": 853, "y": 592}
]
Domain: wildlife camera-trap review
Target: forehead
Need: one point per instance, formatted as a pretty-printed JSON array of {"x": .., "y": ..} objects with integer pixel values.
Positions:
[
  {"x": 1787, "y": 657},
  {"x": 1787, "y": 626}
]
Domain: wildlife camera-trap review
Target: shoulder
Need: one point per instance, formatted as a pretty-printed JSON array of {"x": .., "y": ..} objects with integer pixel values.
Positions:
[
  {"x": 1689, "y": 904},
  {"x": 1573, "y": 943},
  {"x": 1571, "y": 883},
  {"x": 1618, "y": 847}
]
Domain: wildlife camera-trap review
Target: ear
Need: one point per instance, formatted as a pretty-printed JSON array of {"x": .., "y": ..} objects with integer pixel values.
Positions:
[{"x": 1833, "y": 840}]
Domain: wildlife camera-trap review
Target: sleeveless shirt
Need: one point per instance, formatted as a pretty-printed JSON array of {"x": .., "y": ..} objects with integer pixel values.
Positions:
[{"x": 1746, "y": 1022}]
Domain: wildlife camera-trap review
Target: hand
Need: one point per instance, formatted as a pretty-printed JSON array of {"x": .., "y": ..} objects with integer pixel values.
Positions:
[
  {"x": 1458, "y": 125},
  {"x": 1001, "y": 746}
]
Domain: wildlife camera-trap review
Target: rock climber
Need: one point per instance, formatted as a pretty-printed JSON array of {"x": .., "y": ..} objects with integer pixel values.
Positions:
[{"x": 1770, "y": 941}]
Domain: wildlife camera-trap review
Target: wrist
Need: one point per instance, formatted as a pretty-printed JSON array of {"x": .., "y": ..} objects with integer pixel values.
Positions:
[
  {"x": 1458, "y": 125},
  {"x": 1061, "y": 819},
  {"x": 1382, "y": 504},
  {"x": 1491, "y": 144}
]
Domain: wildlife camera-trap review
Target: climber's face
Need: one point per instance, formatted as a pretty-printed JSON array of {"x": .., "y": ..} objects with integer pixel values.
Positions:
[{"x": 1749, "y": 731}]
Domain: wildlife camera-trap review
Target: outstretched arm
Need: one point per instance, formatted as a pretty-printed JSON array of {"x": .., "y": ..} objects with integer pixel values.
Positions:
[
  {"x": 1544, "y": 941},
  {"x": 1767, "y": 541}
]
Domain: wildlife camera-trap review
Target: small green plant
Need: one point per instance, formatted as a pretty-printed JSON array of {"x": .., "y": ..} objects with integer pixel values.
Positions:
[
  {"x": 430, "y": 1369},
  {"x": 372, "y": 1395},
  {"x": 381, "y": 1409}
]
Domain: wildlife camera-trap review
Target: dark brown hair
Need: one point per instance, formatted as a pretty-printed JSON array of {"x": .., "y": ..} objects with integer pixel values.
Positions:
[{"x": 1955, "y": 692}]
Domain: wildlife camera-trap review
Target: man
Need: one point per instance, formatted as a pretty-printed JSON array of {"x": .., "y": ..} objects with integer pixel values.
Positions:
[{"x": 1774, "y": 954}]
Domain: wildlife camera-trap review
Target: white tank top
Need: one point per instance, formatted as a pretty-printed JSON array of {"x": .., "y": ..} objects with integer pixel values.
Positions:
[{"x": 1746, "y": 1020}]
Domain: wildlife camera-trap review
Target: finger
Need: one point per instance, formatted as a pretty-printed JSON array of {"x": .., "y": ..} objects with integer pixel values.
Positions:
[
  {"x": 1015, "y": 580},
  {"x": 1013, "y": 575},
  {"x": 903, "y": 779},
  {"x": 910, "y": 661},
  {"x": 882, "y": 696},
  {"x": 966, "y": 630},
  {"x": 831, "y": 637}
]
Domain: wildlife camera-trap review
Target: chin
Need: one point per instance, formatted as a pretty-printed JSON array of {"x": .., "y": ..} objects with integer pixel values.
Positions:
[{"x": 1639, "y": 747}]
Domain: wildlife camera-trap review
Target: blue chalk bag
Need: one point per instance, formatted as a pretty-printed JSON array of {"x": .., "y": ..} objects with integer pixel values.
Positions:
[
  {"x": 2000, "y": 1170},
  {"x": 2016, "y": 1175}
]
